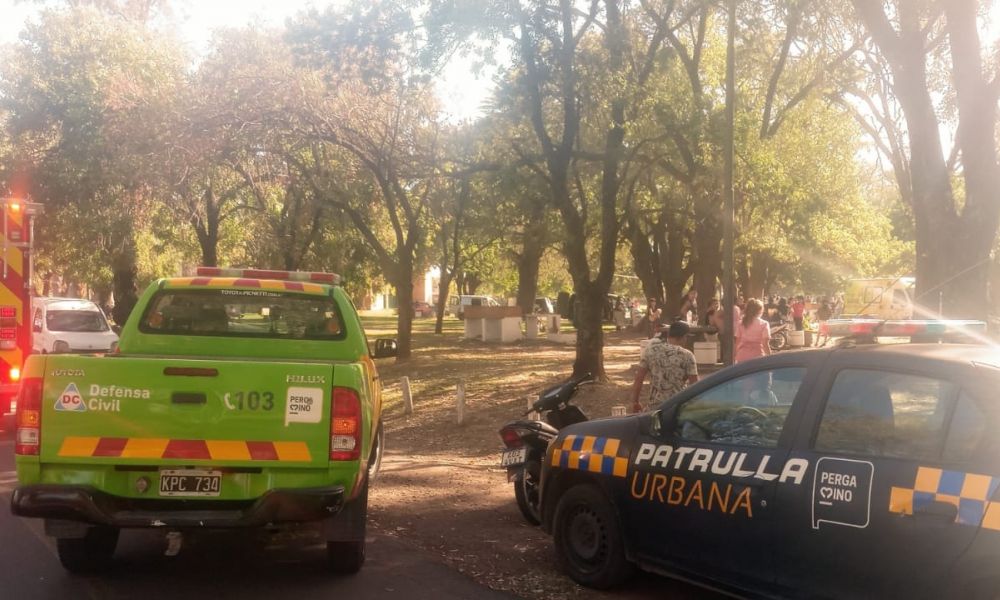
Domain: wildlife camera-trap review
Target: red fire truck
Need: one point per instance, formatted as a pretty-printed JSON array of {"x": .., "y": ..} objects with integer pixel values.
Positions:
[{"x": 16, "y": 244}]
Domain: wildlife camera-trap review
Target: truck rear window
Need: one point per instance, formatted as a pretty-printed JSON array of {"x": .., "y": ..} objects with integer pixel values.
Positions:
[{"x": 243, "y": 313}]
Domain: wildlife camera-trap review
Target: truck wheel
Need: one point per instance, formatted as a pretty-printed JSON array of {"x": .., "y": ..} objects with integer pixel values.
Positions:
[
  {"x": 346, "y": 556},
  {"x": 90, "y": 554},
  {"x": 375, "y": 460},
  {"x": 589, "y": 544}
]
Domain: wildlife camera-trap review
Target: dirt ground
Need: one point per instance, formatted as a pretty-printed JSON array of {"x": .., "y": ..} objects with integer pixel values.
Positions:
[{"x": 441, "y": 488}]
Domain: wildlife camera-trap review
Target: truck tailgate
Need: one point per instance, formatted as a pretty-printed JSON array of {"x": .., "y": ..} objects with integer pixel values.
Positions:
[{"x": 186, "y": 412}]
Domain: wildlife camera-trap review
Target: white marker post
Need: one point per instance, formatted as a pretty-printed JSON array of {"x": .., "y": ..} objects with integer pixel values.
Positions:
[
  {"x": 407, "y": 397},
  {"x": 460, "y": 402}
]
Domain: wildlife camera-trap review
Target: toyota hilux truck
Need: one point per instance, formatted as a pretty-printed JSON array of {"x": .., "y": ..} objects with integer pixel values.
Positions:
[{"x": 237, "y": 398}]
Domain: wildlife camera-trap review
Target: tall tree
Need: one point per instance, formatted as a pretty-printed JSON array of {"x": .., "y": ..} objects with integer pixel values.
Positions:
[{"x": 955, "y": 230}]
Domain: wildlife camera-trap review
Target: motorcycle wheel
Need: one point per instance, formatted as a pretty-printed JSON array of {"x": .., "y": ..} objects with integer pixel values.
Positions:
[
  {"x": 778, "y": 341},
  {"x": 526, "y": 491}
]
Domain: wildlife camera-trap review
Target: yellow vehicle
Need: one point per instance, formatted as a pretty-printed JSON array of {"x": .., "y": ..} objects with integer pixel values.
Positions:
[{"x": 880, "y": 297}]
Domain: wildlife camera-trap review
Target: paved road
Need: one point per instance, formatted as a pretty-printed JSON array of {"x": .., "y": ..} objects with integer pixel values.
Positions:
[{"x": 214, "y": 566}]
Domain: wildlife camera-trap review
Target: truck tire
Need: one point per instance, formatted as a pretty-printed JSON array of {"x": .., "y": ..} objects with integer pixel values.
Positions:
[
  {"x": 90, "y": 554},
  {"x": 590, "y": 547},
  {"x": 347, "y": 556},
  {"x": 375, "y": 460}
]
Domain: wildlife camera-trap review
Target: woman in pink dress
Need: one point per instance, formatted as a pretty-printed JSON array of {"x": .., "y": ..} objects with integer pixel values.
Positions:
[{"x": 753, "y": 333}]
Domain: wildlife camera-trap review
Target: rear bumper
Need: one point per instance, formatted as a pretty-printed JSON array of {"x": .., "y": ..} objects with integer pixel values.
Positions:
[{"x": 89, "y": 505}]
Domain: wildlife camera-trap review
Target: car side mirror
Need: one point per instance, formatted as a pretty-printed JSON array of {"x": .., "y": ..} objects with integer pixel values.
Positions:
[
  {"x": 385, "y": 348},
  {"x": 665, "y": 421},
  {"x": 117, "y": 329}
]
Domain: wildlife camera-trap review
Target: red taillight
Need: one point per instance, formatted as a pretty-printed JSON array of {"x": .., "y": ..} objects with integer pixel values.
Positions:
[
  {"x": 345, "y": 425},
  {"x": 511, "y": 437},
  {"x": 29, "y": 417}
]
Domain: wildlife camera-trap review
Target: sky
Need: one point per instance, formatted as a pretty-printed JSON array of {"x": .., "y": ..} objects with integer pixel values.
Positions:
[{"x": 461, "y": 91}]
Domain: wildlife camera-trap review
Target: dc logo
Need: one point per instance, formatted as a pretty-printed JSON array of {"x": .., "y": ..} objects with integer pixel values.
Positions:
[{"x": 71, "y": 400}]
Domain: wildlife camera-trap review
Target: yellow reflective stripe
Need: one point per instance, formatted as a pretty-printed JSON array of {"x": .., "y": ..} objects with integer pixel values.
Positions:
[
  {"x": 78, "y": 446},
  {"x": 901, "y": 501},
  {"x": 927, "y": 480},
  {"x": 15, "y": 259},
  {"x": 292, "y": 451},
  {"x": 271, "y": 284},
  {"x": 594, "y": 463},
  {"x": 556, "y": 457},
  {"x": 621, "y": 467},
  {"x": 144, "y": 448},
  {"x": 312, "y": 288},
  {"x": 976, "y": 487},
  {"x": 611, "y": 447},
  {"x": 588, "y": 444},
  {"x": 227, "y": 450}
]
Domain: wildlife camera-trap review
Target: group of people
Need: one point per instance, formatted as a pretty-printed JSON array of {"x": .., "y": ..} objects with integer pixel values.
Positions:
[{"x": 672, "y": 367}]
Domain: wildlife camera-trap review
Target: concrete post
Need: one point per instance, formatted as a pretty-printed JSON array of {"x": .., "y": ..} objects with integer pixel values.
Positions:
[
  {"x": 460, "y": 402},
  {"x": 407, "y": 397}
]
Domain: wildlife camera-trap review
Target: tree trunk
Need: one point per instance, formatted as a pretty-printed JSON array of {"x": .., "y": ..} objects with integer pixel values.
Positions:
[
  {"x": 528, "y": 262},
  {"x": 444, "y": 285},
  {"x": 472, "y": 283},
  {"x": 404, "y": 321},
  {"x": 589, "y": 331},
  {"x": 123, "y": 275},
  {"x": 645, "y": 258}
]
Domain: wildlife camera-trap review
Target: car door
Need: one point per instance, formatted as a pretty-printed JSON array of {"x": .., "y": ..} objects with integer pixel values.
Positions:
[
  {"x": 888, "y": 507},
  {"x": 700, "y": 489}
]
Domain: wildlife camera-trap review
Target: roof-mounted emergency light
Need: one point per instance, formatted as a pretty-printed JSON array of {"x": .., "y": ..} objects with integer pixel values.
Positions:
[
  {"x": 924, "y": 329},
  {"x": 308, "y": 276}
]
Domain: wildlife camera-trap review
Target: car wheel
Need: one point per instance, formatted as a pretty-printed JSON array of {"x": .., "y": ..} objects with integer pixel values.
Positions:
[
  {"x": 589, "y": 544},
  {"x": 526, "y": 491},
  {"x": 90, "y": 554}
]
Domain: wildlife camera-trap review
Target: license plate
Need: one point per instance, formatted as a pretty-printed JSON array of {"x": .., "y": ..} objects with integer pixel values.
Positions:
[
  {"x": 510, "y": 458},
  {"x": 190, "y": 482}
]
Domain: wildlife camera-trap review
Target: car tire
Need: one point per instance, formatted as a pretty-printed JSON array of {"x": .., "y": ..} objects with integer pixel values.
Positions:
[
  {"x": 92, "y": 553},
  {"x": 590, "y": 547},
  {"x": 526, "y": 491}
]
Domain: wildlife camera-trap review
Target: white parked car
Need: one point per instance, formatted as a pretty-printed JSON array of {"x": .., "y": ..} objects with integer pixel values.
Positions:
[
  {"x": 458, "y": 304},
  {"x": 70, "y": 325}
]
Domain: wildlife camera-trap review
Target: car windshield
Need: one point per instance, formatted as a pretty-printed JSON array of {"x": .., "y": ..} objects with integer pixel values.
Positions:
[
  {"x": 75, "y": 321},
  {"x": 243, "y": 313}
]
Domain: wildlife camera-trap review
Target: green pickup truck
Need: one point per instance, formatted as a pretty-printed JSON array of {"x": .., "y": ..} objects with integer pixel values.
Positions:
[{"x": 237, "y": 398}]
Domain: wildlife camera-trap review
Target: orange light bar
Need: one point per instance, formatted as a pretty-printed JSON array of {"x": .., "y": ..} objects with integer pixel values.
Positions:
[{"x": 309, "y": 276}]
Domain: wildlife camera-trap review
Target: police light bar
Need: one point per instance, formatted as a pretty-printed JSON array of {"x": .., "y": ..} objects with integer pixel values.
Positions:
[
  {"x": 917, "y": 328},
  {"x": 311, "y": 277}
]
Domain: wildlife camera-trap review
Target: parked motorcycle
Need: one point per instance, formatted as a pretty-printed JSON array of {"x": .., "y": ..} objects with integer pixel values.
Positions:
[
  {"x": 779, "y": 336},
  {"x": 527, "y": 440}
]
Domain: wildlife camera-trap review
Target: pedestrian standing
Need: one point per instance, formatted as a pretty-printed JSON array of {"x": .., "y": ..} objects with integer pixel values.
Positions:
[
  {"x": 619, "y": 315},
  {"x": 753, "y": 334},
  {"x": 652, "y": 321},
  {"x": 671, "y": 367},
  {"x": 798, "y": 312},
  {"x": 689, "y": 304}
]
